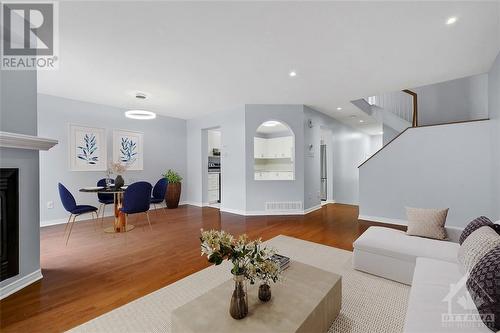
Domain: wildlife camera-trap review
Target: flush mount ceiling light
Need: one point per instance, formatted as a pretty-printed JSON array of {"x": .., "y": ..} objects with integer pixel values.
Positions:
[
  {"x": 339, "y": 108},
  {"x": 271, "y": 123},
  {"x": 361, "y": 121},
  {"x": 451, "y": 20},
  {"x": 292, "y": 74},
  {"x": 140, "y": 114}
]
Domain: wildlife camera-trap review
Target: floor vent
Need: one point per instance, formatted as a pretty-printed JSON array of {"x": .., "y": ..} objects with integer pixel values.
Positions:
[{"x": 284, "y": 206}]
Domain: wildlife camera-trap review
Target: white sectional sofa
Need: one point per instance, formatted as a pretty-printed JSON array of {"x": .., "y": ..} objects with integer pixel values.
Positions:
[{"x": 429, "y": 266}]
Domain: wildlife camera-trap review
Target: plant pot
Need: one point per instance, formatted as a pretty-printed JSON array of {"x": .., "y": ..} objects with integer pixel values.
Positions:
[
  {"x": 173, "y": 195},
  {"x": 238, "y": 309},
  {"x": 264, "y": 292}
]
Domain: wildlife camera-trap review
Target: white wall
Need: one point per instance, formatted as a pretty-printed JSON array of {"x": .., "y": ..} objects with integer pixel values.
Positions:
[
  {"x": 446, "y": 166},
  {"x": 494, "y": 114},
  {"x": 232, "y": 128},
  {"x": 18, "y": 103},
  {"x": 455, "y": 100},
  {"x": 164, "y": 148}
]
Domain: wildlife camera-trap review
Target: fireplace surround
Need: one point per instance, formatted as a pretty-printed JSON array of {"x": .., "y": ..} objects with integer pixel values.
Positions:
[{"x": 9, "y": 222}]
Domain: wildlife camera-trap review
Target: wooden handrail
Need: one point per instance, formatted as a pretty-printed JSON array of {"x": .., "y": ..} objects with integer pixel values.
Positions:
[{"x": 414, "y": 122}]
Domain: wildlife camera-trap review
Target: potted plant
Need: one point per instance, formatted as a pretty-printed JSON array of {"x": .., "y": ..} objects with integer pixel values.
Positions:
[{"x": 173, "y": 193}]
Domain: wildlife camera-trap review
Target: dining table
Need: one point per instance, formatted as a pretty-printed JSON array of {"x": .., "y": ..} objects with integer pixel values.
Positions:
[{"x": 120, "y": 224}]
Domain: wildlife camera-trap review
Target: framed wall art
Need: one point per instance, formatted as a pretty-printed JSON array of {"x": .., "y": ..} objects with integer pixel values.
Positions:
[
  {"x": 128, "y": 149},
  {"x": 87, "y": 148}
]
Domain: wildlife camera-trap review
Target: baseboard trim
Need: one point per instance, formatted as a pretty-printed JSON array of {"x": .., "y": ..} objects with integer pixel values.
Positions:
[
  {"x": 312, "y": 209},
  {"x": 20, "y": 283},
  {"x": 382, "y": 220}
]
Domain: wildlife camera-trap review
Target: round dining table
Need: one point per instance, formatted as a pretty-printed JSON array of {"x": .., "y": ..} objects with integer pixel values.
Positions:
[{"x": 120, "y": 224}]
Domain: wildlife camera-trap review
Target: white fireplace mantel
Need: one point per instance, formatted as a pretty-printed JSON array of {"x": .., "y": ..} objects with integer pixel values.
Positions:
[{"x": 23, "y": 141}]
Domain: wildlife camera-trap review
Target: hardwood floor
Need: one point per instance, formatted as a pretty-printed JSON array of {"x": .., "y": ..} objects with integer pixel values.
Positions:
[{"x": 98, "y": 272}]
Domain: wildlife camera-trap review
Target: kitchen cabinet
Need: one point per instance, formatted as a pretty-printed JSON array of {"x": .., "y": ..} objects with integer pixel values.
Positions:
[
  {"x": 213, "y": 187},
  {"x": 281, "y": 147},
  {"x": 273, "y": 175}
]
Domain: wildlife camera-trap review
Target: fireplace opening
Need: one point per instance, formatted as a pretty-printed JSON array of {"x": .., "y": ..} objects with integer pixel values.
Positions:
[{"x": 9, "y": 222}]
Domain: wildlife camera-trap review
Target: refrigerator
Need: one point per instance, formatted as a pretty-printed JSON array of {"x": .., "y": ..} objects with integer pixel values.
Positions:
[{"x": 323, "y": 172}]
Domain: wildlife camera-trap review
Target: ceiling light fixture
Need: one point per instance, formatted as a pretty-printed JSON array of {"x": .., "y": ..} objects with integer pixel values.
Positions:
[
  {"x": 339, "y": 108},
  {"x": 292, "y": 74},
  {"x": 270, "y": 123},
  {"x": 361, "y": 121},
  {"x": 451, "y": 20},
  {"x": 140, "y": 114}
]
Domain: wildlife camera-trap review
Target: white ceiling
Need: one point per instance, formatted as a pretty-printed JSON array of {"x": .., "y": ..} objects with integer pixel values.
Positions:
[{"x": 196, "y": 58}]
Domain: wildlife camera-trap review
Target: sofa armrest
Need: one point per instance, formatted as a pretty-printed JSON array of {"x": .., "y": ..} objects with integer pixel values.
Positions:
[{"x": 454, "y": 233}]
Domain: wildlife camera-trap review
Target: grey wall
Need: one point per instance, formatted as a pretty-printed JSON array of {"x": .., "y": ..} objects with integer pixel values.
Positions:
[
  {"x": 455, "y": 100},
  {"x": 164, "y": 148},
  {"x": 18, "y": 115},
  {"x": 455, "y": 174},
  {"x": 232, "y": 127},
  {"x": 389, "y": 134},
  {"x": 260, "y": 192},
  {"x": 494, "y": 114}
]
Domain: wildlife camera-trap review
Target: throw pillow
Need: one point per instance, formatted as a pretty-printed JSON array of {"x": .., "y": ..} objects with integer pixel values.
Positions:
[
  {"x": 474, "y": 225},
  {"x": 426, "y": 222},
  {"x": 483, "y": 285},
  {"x": 480, "y": 242}
]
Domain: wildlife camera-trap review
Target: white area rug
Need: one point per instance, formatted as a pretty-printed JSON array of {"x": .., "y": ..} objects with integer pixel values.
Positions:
[{"x": 369, "y": 303}]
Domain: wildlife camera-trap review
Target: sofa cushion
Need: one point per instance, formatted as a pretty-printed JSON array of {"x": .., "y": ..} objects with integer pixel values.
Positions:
[
  {"x": 484, "y": 287},
  {"x": 480, "y": 242},
  {"x": 397, "y": 244},
  {"x": 473, "y": 226},
  {"x": 426, "y": 222},
  {"x": 438, "y": 287}
]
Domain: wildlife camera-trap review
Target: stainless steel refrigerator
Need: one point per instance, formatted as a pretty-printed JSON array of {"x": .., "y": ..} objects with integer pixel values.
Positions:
[{"x": 323, "y": 172}]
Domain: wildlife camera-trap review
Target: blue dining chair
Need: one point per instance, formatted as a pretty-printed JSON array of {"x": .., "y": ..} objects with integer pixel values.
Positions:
[
  {"x": 159, "y": 193},
  {"x": 69, "y": 203},
  {"x": 104, "y": 199},
  {"x": 136, "y": 199}
]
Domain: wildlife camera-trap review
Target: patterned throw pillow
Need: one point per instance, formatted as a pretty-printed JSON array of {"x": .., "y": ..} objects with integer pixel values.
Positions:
[
  {"x": 483, "y": 285},
  {"x": 426, "y": 222},
  {"x": 480, "y": 242},
  {"x": 474, "y": 225}
]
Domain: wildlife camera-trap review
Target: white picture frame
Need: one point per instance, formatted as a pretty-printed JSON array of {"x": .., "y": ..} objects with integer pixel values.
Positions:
[
  {"x": 128, "y": 148},
  {"x": 87, "y": 148}
]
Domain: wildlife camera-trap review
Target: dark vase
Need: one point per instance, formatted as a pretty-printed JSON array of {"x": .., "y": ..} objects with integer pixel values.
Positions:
[
  {"x": 119, "y": 182},
  {"x": 238, "y": 308},
  {"x": 264, "y": 292},
  {"x": 173, "y": 195}
]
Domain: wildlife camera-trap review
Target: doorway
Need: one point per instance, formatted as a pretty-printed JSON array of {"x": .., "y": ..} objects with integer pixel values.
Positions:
[{"x": 213, "y": 167}]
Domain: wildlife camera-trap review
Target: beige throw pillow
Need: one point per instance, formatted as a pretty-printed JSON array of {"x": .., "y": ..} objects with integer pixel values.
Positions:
[
  {"x": 474, "y": 247},
  {"x": 426, "y": 222}
]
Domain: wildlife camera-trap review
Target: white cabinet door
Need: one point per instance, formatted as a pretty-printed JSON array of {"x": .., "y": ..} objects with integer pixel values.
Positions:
[
  {"x": 213, "y": 196},
  {"x": 213, "y": 181},
  {"x": 259, "y": 147}
]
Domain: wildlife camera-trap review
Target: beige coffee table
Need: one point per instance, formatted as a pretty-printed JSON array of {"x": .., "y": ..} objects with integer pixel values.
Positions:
[{"x": 308, "y": 300}]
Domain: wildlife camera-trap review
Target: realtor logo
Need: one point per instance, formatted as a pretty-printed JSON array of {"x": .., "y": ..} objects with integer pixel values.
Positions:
[{"x": 29, "y": 35}]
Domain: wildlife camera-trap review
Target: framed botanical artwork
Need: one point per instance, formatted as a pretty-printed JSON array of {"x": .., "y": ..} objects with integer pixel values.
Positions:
[
  {"x": 87, "y": 148},
  {"x": 128, "y": 149}
]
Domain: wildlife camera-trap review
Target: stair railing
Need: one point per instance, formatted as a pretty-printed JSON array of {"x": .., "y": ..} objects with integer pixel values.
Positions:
[{"x": 413, "y": 94}]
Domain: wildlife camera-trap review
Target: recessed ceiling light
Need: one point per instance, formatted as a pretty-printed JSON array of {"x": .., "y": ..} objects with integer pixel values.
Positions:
[
  {"x": 339, "y": 108},
  {"x": 451, "y": 20},
  {"x": 140, "y": 114},
  {"x": 361, "y": 121},
  {"x": 292, "y": 73},
  {"x": 270, "y": 123}
]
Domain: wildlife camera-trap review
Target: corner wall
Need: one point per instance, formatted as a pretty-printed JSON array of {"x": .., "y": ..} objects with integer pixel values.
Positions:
[{"x": 494, "y": 114}]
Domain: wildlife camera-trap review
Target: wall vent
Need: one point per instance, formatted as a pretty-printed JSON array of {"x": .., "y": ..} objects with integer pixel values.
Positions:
[{"x": 284, "y": 206}]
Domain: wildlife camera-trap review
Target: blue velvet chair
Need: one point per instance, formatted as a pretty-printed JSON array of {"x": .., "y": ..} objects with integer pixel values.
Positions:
[
  {"x": 104, "y": 199},
  {"x": 136, "y": 199},
  {"x": 69, "y": 203},
  {"x": 159, "y": 192}
]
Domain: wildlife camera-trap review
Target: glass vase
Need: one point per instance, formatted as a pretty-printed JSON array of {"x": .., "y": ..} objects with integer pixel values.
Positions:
[
  {"x": 264, "y": 292},
  {"x": 238, "y": 308}
]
